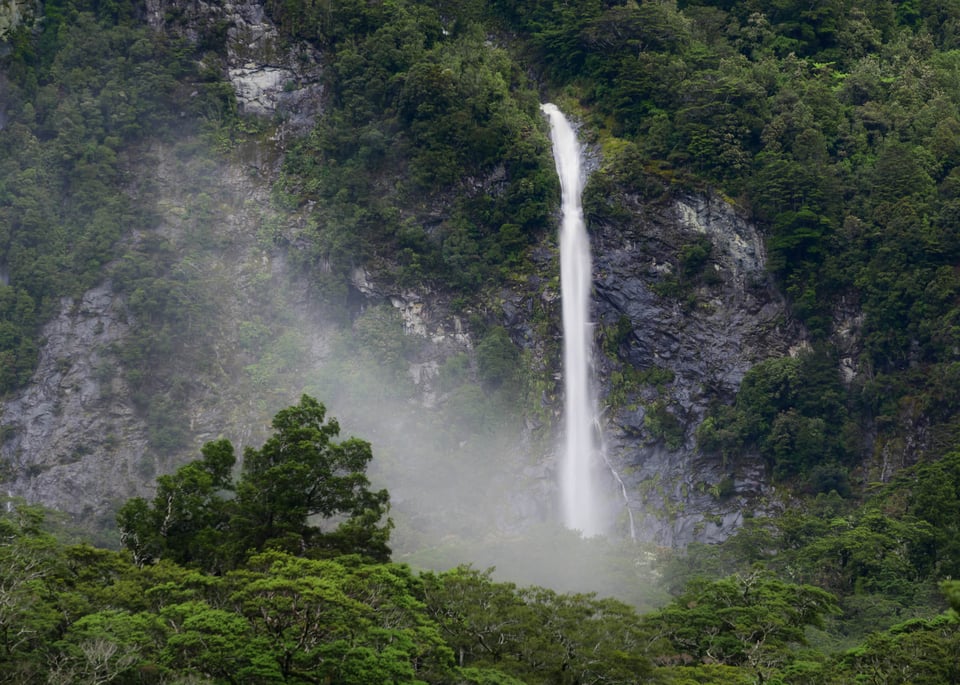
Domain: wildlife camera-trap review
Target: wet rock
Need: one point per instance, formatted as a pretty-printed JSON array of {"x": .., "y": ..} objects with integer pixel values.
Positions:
[{"x": 706, "y": 330}]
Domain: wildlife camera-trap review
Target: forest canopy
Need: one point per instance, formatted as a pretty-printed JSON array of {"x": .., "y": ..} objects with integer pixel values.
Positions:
[
  {"x": 221, "y": 582},
  {"x": 226, "y": 582}
]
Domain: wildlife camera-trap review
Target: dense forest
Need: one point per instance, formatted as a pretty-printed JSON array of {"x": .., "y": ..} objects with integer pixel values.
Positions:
[
  {"x": 835, "y": 126},
  {"x": 284, "y": 576}
]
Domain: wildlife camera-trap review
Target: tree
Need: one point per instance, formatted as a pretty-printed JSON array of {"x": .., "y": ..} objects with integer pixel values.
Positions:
[
  {"x": 750, "y": 620},
  {"x": 327, "y": 621},
  {"x": 291, "y": 488},
  {"x": 188, "y": 512},
  {"x": 27, "y": 616},
  {"x": 301, "y": 473},
  {"x": 534, "y": 634}
]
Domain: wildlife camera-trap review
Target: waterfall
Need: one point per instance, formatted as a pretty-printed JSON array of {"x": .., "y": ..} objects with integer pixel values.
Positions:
[{"x": 581, "y": 508}]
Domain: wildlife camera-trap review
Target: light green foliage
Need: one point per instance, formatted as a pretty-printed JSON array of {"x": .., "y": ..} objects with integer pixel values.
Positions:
[
  {"x": 703, "y": 674},
  {"x": 952, "y": 590},
  {"x": 216, "y": 642},
  {"x": 106, "y": 646},
  {"x": 919, "y": 652},
  {"x": 277, "y": 619},
  {"x": 535, "y": 635},
  {"x": 751, "y": 620},
  {"x": 347, "y": 623},
  {"x": 78, "y": 614},
  {"x": 871, "y": 553}
]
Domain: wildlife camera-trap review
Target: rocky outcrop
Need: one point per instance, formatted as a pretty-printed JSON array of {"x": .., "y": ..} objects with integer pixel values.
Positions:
[
  {"x": 71, "y": 433},
  {"x": 680, "y": 335},
  {"x": 682, "y": 303},
  {"x": 75, "y": 439},
  {"x": 270, "y": 77},
  {"x": 12, "y": 14},
  {"x": 436, "y": 333}
]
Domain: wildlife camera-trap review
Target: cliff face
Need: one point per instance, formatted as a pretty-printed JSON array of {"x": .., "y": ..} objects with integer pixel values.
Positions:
[
  {"x": 79, "y": 438},
  {"x": 682, "y": 303},
  {"x": 59, "y": 429},
  {"x": 270, "y": 77},
  {"x": 682, "y": 294},
  {"x": 75, "y": 439}
]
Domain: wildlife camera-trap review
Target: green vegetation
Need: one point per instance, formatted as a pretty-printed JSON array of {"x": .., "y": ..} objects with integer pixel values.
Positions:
[
  {"x": 425, "y": 114},
  {"x": 288, "y": 489},
  {"x": 225, "y": 582},
  {"x": 87, "y": 94},
  {"x": 881, "y": 563},
  {"x": 792, "y": 411},
  {"x": 836, "y": 125}
]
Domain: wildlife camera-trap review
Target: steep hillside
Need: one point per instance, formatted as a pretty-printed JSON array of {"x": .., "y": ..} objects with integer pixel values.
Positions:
[
  {"x": 358, "y": 201},
  {"x": 210, "y": 211}
]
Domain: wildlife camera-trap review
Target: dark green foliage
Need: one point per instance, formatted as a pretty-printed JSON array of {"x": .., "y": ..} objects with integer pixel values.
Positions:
[
  {"x": 300, "y": 473},
  {"x": 301, "y": 492},
  {"x": 80, "y": 93},
  {"x": 694, "y": 256},
  {"x": 497, "y": 359},
  {"x": 793, "y": 411},
  {"x": 919, "y": 652},
  {"x": 72, "y": 613},
  {"x": 835, "y": 126},
  {"x": 882, "y": 564},
  {"x": 834, "y": 123},
  {"x": 420, "y": 113},
  {"x": 935, "y": 498},
  {"x": 188, "y": 514},
  {"x": 664, "y": 425}
]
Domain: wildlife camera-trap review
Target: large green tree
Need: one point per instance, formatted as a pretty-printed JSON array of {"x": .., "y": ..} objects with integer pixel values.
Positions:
[{"x": 302, "y": 492}]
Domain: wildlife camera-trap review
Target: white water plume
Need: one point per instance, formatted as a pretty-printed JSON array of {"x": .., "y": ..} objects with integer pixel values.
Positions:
[{"x": 581, "y": 508}]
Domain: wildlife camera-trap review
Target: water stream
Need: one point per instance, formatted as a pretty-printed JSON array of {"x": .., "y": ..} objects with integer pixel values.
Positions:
[{"x": 579, "y": 459}]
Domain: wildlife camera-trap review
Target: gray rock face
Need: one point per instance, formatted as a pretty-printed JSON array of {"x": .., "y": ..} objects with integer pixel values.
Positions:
[
  {"x": 270, "y": 78},
  {"x": 675, "y": 338},
  {"x": 73, "y": 439},
  {"x": 706, "y": 330},
  {"x": 12, "y": 14},
  {"x": 67, "y": 430}
]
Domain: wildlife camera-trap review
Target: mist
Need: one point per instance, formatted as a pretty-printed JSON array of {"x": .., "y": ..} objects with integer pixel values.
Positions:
[
  {"x": 470, "y": 458},
  {"x": 216, "y": 316}
]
